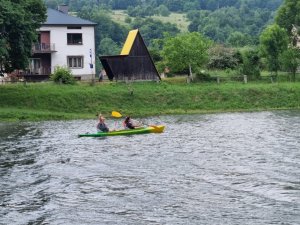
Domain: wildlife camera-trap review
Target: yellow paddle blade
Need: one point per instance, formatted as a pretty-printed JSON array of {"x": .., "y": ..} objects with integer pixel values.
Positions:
[{"x": 116, "y": 114}]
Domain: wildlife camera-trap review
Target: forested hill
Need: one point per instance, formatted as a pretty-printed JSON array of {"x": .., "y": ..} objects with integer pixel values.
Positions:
[
  {"x": 232, "y": 22},
  {"x": 172, "y": 5}
]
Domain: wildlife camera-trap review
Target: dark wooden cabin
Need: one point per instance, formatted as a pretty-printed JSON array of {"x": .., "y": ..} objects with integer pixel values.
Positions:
[{"x": 134, "y": 62}]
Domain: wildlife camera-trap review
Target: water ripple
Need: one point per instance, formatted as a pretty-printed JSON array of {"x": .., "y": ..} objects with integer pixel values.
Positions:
[{"x": 232, "y": 168}]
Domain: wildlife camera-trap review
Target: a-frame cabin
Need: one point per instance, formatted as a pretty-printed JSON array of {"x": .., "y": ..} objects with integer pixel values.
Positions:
[{"x": 134, "y": 62}]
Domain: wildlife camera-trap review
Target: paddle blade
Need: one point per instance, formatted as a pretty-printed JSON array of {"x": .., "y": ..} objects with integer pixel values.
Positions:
[
  {"x": 158, "y": 128},
  {"x": 116, "y": 114}
]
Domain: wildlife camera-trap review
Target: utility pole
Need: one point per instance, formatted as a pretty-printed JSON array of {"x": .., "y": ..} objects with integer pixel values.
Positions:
[{"x": 92, "y": 66}]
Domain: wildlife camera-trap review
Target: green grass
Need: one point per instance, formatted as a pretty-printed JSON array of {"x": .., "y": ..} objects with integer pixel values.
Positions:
[
  {"x": 47, "y": 101},
  {"x": 230, "y": 75},
  {"x": 179, "y": 19},
  {"x": 119, "y": 16},
  {"x": 175, "y": 18}
]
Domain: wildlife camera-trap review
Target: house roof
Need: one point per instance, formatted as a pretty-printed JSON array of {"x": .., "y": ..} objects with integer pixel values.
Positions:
[{"x": 58, "y": 18}]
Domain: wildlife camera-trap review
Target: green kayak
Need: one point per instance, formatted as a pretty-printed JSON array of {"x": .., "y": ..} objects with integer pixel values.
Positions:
[{"x": 142, "y": 130}]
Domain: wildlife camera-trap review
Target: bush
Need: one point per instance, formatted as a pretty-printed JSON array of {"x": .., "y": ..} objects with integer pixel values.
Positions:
[
  {"x": 62, "y": 75},
  {"x": 202, "y": 75},
  {"x": 128, "y": 20},
  {"x": 251, "y": 63},
  {"x": 163, "y": 11},
  {"x": 221, "y": 57}
]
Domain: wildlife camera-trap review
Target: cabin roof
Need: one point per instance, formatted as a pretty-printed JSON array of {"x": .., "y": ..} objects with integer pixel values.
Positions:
[{"x": 129, "y": 42}]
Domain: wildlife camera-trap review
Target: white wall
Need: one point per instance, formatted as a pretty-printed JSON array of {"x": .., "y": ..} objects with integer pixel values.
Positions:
[{"x": 58, "y": 37}]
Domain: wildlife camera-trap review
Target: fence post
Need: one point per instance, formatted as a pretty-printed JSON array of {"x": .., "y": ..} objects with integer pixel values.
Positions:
[
  {"x": 188, "y": 79},
  {"x": 218, "y": 79},
  {"x": 245, "y": 79}
]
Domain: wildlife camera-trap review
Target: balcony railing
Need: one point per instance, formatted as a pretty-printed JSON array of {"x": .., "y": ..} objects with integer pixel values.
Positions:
[
  {"x": 39, "y": 71},
  {"x": 43, "y": 48}
]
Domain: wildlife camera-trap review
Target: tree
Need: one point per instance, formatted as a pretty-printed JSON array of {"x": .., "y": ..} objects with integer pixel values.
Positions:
[
  {"x": 290, "y": 60},
  {"x": 186, "y": 51},
  {"x": 163, "y": 10},
  {"x": 140, "y": 11},
  {"x": 108, "y": 47},
  {"x": 238, "y": 39},
  {"x": 194, "y": 5},
  {"x": 220, "y": 24},
  {"x": 154, "y": 29},
  {"x": 288, "y": 15},
  {"x": 251, "y": 63},
  {"x": 273, "y": 42},
  {"x": 212, "y": 4},
  {"x": 51, "y": 4},
  {"x": 221, "y": 57},
  {"x": 19, "y": 21},
  {"x": 106, "y": 27},
  {"x": 174, "y": 5}
]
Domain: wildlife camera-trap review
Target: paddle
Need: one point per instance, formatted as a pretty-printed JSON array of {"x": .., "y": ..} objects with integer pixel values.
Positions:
[
  {"x": 116, "y": 114},
  {"x": 157, "y": 128}
]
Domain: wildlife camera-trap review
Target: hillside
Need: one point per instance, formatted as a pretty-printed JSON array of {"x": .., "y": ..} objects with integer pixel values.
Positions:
[
  {"x": 179, "y": 19},
  {"x": 235, "y": 23},
  {"x": 221, "y": 20}
]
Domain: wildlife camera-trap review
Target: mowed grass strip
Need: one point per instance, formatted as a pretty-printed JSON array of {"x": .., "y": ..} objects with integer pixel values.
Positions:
[{"x": 40, "y": 101}]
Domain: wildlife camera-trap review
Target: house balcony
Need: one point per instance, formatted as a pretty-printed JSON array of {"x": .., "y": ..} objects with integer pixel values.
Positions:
[
  {"x": 43, "y": 48},
  {"x": 39, "y": 71},
  {"x": 33, "y": 75}
]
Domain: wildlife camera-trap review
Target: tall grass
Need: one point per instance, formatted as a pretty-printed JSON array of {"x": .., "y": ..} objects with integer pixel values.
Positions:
[{"x": 49, "y": 101}]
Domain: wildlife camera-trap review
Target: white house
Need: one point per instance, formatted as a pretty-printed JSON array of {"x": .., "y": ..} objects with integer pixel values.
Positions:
[{"x": 64, "y": 40}]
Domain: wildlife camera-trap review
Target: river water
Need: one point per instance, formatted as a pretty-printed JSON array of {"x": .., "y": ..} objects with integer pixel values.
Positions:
[{"x": 232, "y": 168}]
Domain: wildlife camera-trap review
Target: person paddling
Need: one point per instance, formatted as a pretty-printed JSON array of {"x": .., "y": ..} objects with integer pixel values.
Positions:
[
  {"x": 128, "y": 123},
  {"x": 101, "y": 126}
]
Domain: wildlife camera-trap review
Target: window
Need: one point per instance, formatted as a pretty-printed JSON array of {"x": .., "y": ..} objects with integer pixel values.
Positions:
[
  {"x": 75, "y": 61},
  {"x": 74, "y": 39}
]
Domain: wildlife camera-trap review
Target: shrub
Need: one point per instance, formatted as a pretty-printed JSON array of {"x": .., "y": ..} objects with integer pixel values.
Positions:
[
  {"x": 163, "y": 11},
  {"x": 62, "y": 75},
  {"x": 251, "y": 63},
  {"x": 128, "y": 20},
  {"x": 202, "y": 75},
  {"x": 221, "y": 57}
]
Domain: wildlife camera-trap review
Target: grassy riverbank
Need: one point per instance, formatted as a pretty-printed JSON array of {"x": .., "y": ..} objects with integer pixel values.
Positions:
[{"x": 47, "y": 101}]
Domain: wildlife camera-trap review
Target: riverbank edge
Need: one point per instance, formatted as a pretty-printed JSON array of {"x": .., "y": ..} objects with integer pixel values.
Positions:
[
  {"x": 25, "y": 115},
  {"x": 38, "y": 102}
]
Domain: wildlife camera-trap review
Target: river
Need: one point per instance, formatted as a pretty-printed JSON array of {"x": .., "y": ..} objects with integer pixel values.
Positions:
[{"x": 230, "y": 168}]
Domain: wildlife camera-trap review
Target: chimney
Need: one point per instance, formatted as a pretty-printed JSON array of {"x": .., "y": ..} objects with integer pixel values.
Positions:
[{"x": 63, "y": 8}]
